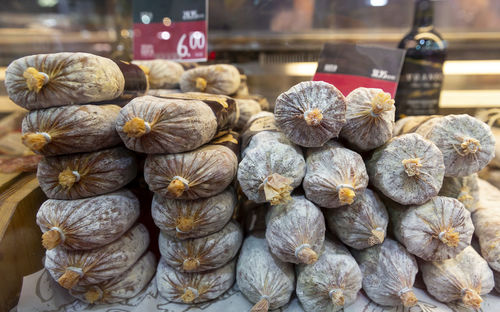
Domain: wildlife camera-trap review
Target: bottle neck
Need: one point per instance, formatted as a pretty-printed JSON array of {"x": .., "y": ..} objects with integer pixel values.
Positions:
[{"x": 424, "y": 14}]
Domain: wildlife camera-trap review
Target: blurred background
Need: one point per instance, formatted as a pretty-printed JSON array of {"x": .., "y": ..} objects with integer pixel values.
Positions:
[{"x": 275, "y": 42}]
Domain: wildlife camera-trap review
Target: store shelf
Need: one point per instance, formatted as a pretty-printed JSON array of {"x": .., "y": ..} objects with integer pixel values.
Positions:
[
  {"x": 16, "y": 36},
  {"x": 265, "y": 40},
  {"x": 470, "y": 98}
]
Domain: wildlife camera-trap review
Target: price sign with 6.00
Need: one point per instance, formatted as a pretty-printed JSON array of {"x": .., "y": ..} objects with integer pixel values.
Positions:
[{"x": 173, "y": 29}]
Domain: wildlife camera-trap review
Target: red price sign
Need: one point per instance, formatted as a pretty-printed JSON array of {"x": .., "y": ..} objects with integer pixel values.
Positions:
[{"x": 175, "y": 30}]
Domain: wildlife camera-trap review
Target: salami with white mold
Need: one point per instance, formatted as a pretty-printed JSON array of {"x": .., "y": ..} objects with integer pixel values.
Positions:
[
  {"x": 335, "y": 175},
  {"x": 361, "y": 224},
  {"x": 201, "y": 173},
  {"x": 72, "y": 268},
  {"x": 149, "y": 124},
  {"x": 370, "y": 118},
  {"x": 437, "y": 230},
  {"x": 269, "y": 173},
  {"x": 311, "y": 113},
  {"x": 60, "y": 79},
  {"x": 76, "y": 176},
  {"x": 162, "y": 74},
  {"x": 193, "y": 287},
  {"x": 295, "y": 231},
  {"x": 467, "y": 143},
  {"x": 265, "y": 280},
  {"x": 203, "y": 253},
  {"x": 125, "y": 286},
  {"x": 331, "y": 283},
  {"x": 388, "y": 273},
  {"x": 216, "y": 79},
  {"x": 185, "y": 219},
  {"x": 408, "y": 169},
  {"x": 89, "y": 223},
  {"x": 70, "y": 129},
  {"x": 466, "y": 277}
]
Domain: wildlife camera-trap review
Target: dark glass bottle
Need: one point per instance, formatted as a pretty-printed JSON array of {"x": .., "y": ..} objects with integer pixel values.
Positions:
[{"x": 422, "y": 74}]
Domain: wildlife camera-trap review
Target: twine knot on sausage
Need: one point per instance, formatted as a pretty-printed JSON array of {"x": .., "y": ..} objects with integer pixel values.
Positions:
[
  {"x": 449, "y": 237},
  {"x": 70, "y": 277},
  {"x": 184, "y": 225},
  {"x": 53, "y": 237},
  {"x": 201, "y": 84},
  {"x": 346, "y": 193},
  {"x": 94, "y": 294},
  {"x": 190, "y": 264},
  {"x": 277, "y": 188},
  {"x": 412, "y": 166},
  {"x": 67, "y": 178},
  {"x": 337, "y": 296},
  {"x": 469, "y": 146},
  {"x": 35, "y": 79},
  {"x": 36, "y": 141},
  {"x": 471, "y": 298},
  {"x": 305, "y": 254},
  {"x": 313, "y": 117},
  {"x": 136, "y": 127},
  {"x": 177, "y": 186},
  {"x": 190, "y": 294},
  {"x": 407, "y": 297},
  {"x": 262, "y": 305},
  {"x": 381, "y": 102}
]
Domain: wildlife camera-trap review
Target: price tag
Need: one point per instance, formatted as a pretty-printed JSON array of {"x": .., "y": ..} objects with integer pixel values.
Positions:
[
  {"x": 349, "y": 66},
  {"x": 170, "y": 29}
]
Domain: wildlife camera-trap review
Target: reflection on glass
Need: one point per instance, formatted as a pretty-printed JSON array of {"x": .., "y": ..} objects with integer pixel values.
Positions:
[{"x": 42, "y": 26}]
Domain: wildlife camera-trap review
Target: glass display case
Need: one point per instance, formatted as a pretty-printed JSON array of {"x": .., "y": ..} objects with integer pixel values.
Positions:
[{"x": 273, "y": 45}]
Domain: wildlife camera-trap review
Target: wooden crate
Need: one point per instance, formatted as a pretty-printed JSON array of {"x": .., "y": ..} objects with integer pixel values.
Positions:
[{"x": 21, "y": 251}]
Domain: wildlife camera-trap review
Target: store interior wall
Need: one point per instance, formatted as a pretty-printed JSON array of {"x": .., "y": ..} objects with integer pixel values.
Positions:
[{"x": 275, "y": 42}]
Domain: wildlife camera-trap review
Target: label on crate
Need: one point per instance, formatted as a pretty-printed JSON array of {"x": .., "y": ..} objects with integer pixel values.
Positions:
[
  {"x": 170, "y": 29},
  {"x": 350, "y": 66}
]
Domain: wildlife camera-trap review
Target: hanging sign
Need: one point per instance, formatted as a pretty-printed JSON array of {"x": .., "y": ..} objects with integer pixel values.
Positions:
[{"x": 349, "y": 66}]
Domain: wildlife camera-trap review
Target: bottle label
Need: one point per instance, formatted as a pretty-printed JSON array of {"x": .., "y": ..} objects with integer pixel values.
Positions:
[{"x": 419, "y": 87}]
